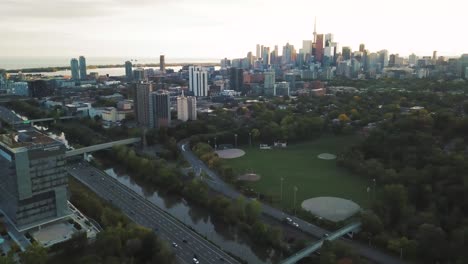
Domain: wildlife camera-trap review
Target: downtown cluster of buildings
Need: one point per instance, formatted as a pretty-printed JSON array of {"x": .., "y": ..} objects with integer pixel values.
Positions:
[
  {"x": 267, "y": 72},
  {"x": 152, "y": 104}
]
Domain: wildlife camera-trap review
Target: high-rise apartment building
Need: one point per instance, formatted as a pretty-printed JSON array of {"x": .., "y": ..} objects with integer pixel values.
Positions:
[
  {"x": 182, "y": 108},
  {"x": 192, "y": 107},
  {"x": 362, "y": 47},
  {"x": 288, "y": 54},
  {"x": 139, "y": 75},
  {"x": 142, "y": 103},
  {"x": 162, "y": 64},
  {"x": 266, "y": 56},
  {"x": 198, "y": 81},
  {"x": 306, "y": 47},
  {"x": 128, "y": 71},
  {"x": 83, "y": 73},
  {"x": 269, "y": 82},
  {"x": 236, "y": 79},
  {"x": 75, "y": 69},
  {"x": 33, "y": 180},
  {"x": 412, "y": 59},
  {"x": 383, "y": 54},
  {"x": 258, "y": 52},
  {"x": 160, "y": 109},
  {"x": 186, "y": 107},
  {"x": 346, "y": 53}
]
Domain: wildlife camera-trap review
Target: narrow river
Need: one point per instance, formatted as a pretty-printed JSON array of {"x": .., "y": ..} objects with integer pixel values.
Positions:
[{"x": 228, "y": 238}]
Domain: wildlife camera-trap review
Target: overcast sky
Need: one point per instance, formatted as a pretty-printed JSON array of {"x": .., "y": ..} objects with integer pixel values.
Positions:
[{"x": 225, "y": 28}]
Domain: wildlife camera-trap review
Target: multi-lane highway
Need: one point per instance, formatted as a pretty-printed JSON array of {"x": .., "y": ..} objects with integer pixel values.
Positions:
[
  {"x": 186, "y": 243},
  {"x": 217, "y": 184}
]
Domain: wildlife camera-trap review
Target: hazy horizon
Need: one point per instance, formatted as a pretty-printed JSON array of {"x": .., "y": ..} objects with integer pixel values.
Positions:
[{"x": 218, "y": 29}]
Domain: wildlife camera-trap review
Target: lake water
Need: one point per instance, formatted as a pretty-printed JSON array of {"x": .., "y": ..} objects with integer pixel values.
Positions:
[{"x": 11, "y": 63}]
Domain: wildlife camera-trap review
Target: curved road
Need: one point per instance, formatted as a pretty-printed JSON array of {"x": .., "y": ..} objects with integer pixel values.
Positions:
[{"x": 216, "y": 183}]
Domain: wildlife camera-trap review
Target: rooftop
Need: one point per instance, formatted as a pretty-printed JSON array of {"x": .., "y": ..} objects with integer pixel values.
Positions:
[{"x": 26, "y": 139}]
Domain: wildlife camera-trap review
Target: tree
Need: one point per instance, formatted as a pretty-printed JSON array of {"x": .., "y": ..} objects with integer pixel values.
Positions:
[
  {"x": 343, "y": 118},
  {"x": 253, "y": 211},
  {"x": 255, "y": 134},
  {"x": 7, "y": 259},
  {"x": 394, "y": 198},
  {"x": 432, "y": 243},
  {"x": 371, "y": 223},
  {"x": 34, "y": 254}
]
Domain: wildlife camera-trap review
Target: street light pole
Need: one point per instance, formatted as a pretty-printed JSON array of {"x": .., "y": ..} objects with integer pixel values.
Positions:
[
  {"x": 282, "y": 179},
  {"x": 295, "y": 191},
  {"x": 235, "y": 140},
  {"x": 215, "y": 144},
  {"x": 250, "y": 139},
  {"x": 374, "y": 189}
]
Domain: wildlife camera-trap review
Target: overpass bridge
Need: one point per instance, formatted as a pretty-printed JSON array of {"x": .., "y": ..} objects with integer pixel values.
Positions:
[
  {"x": 354, "y": 227},
  {"x": 82, "y": 151},
  {"x": 32, "y": 121}
]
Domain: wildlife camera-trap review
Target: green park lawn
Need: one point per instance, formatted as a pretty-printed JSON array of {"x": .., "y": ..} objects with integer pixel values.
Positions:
[{"x": 299, "y": 166}]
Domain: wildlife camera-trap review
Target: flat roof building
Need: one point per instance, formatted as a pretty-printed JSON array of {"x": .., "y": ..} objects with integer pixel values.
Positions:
[{"x": 33, "y": 180}]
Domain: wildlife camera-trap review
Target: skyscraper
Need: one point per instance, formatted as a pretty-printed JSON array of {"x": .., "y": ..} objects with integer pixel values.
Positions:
[
  {"x": 362, "y": 47},
  {"x": 269, "y": 83},
  {"x": 128, "y": 71},
  {"x": 198, "y": 81},
  {"x": 306, "y": 47},
  {"x": 236, "y": 79},
  {"x": 192, "y": 107},
  {"x": 346, "y": 53},
  {"x": 319, "y": 50},
  {"x": 266, "y": 56},
  {"x": 288, "y": 54},
  {"x": 412, "y": 59},
  {"x": 186, "y": 107},
  {"x": 383, "y": 55},
  {"x": 160, "y": 109},
  {"x": 139, "y": 75},
  {"x": 33, "y": 180},
  {"x": 75, "y": 71},
  {"x": 182, "y": 108},
  {"x": 258, "y": 51},
  {"x": 141, "y": 102},
  {"x": 83, "y": 73},
  {"x": 162, "y": 64}
]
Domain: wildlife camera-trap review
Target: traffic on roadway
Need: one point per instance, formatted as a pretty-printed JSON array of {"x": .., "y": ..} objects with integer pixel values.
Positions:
[
  {"x": 217, "y": 184},
  {"x": 188, "y": 246}
]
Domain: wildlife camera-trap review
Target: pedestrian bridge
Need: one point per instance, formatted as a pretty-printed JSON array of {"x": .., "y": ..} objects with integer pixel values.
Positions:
[
  {"x": 32, "y": 121},
  {"x": 93, "y": 148},
  {"x": 354, "y": 227}
]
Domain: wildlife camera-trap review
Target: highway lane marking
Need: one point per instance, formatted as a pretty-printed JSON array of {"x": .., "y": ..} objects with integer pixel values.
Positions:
[{"x": 125, "y": 190}]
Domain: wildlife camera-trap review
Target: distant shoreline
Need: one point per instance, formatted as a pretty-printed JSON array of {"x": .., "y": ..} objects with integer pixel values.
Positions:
[{"x": 91, "y": 67}]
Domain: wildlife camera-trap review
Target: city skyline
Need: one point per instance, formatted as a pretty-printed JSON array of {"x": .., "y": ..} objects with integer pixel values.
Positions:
[{"x": 210, "y": 29}]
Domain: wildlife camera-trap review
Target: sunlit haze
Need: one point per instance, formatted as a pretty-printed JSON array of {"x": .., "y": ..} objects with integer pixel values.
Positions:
[{"x": 218, "y": 29}]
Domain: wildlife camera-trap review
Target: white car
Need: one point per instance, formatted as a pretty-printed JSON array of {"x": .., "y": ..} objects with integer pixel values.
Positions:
[
  {"x": 174, "y": 244},
  {"x": 195, "y": 261},
  {"x": 295, "y": 224}
]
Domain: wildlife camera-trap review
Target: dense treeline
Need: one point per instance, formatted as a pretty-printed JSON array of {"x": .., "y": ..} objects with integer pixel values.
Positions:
[
  {"x": 419, "y": 161},
  {"x": 241, "y": 213},
  {"x": 30, "y": 109},
  {"x": 120, "y": 242},
  {"x": 433, "y": 85}
]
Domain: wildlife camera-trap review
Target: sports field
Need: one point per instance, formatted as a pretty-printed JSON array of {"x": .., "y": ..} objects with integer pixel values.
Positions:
[{"x": 299, "y": 166}]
